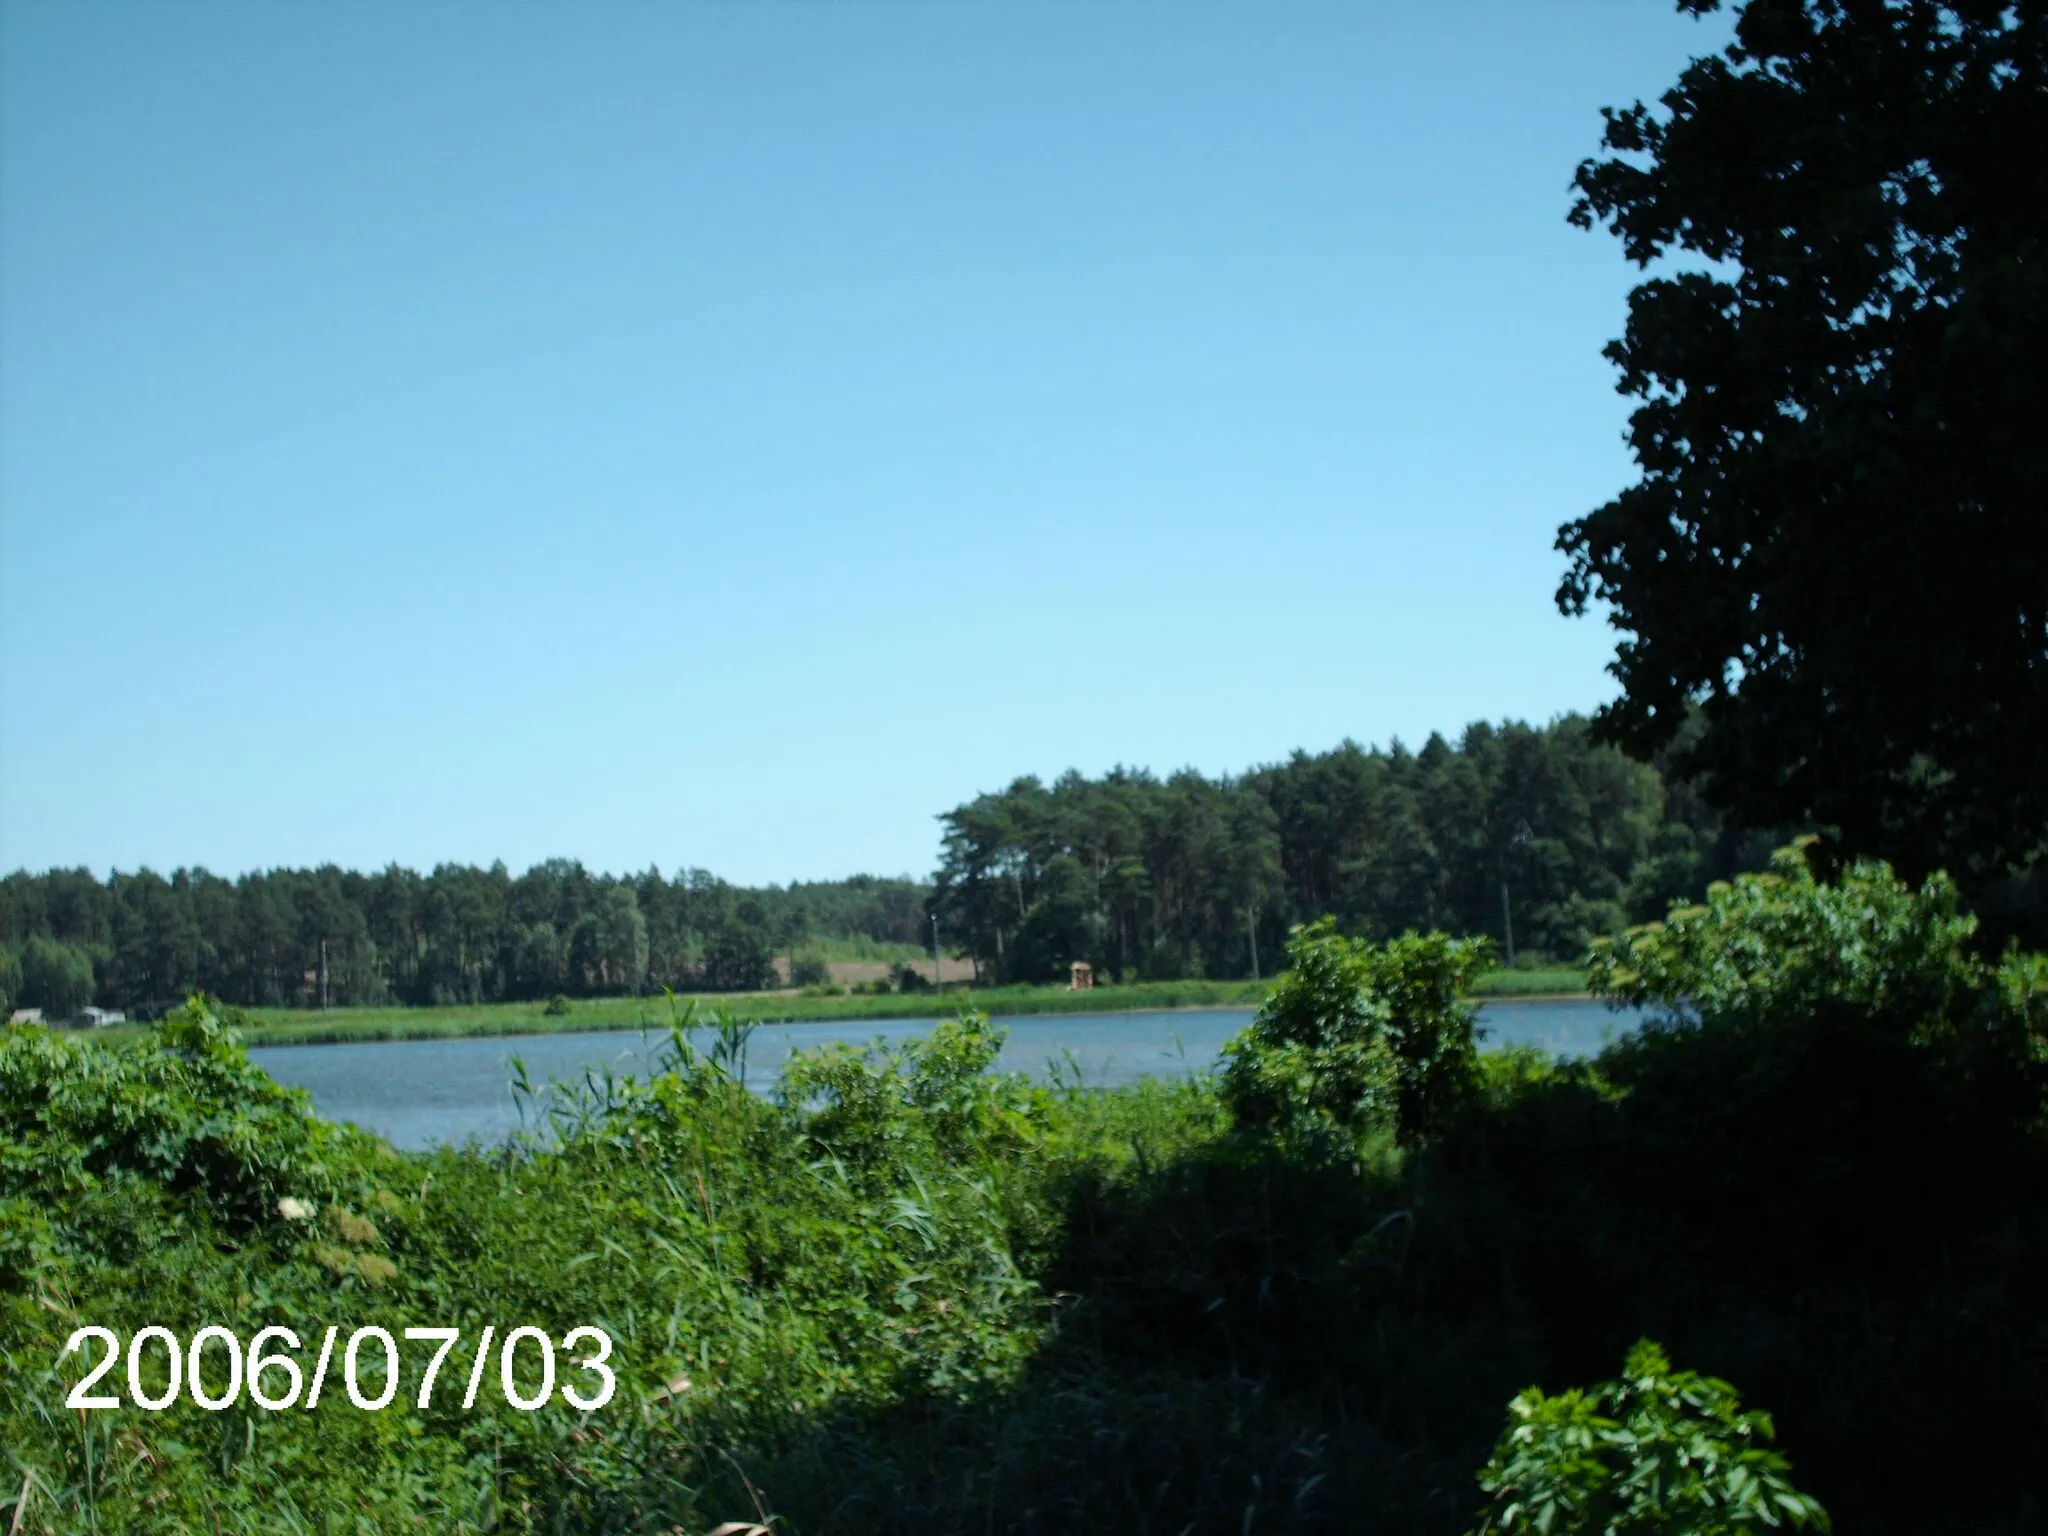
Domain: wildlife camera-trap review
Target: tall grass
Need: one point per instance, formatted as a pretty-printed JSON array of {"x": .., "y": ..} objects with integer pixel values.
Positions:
[{"x": 1542, "y": 981}]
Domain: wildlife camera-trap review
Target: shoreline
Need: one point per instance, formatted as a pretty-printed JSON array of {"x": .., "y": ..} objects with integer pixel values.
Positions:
[
  {"x": 259, "y": 1040},
  {"x": 280, "y": 1027}
]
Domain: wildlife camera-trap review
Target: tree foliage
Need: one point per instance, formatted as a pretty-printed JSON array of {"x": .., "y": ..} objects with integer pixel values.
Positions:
[
  {"x": 1138, "y": 876},
  {"x": 55, "y": 977},
  {"x": 1781, "y": 943},
  {"x": 1359, "y": 1036},
  {"x": 1783, "y": 946},
  {"x": 1834, "y": 549},
  {"x": 1673, "y": 1453},
  {"x": 1165, "y": 878},
  {"x": 1780, "y": 962},
  {"x": 455, "y": 935}
]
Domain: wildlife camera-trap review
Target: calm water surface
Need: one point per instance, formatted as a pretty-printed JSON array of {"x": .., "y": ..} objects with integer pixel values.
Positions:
[{"x": 417, "y": 1093}]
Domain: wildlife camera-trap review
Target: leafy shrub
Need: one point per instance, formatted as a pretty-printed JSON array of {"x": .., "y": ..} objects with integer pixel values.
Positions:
[
  {"x": 1781, "y": 951},
  {"x": 878, "y": 1105},
  {"x": 1781, "y": 943},
  {"x": 1357, "y": 1035},
  {"x": 183, "y": 1109},
  {"x": 1659, "y": 1451},
  {"x": 558, "y": 1006},
  {"x": 907, "y": 978},
  {"x": 809, "y": 971}
]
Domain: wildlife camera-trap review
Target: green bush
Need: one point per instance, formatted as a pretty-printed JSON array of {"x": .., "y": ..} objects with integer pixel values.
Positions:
[
  {"x": 1657, "y": 1453},
  {"x": 907, "y": 978},
  {"x": 1359, "y": 1036},
  {"x": 1781, "y": 951},
  {"x": 1782, "y": 943},
  {"x": 809, "y": 970},
  {"x": 925, "y": 1098},
  {"x": 186, "y": 1114}
]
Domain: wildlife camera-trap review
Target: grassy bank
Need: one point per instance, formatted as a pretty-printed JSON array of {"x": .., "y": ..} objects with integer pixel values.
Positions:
[
  {"x": 282, "y": 1026},
  {"x": 295, "y": 1027},
  {"x": 1548, "y": 981}
]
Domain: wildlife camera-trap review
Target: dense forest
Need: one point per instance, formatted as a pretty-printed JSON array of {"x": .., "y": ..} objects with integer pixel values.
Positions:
[
  {"x": 1537, "y": 838},
  {"x": 458, "y": 935},
  {"x": 1534, "y": 837}
]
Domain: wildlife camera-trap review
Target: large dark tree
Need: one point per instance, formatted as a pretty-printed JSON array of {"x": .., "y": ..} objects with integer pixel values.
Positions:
[{"x": 1837, "y": 549}]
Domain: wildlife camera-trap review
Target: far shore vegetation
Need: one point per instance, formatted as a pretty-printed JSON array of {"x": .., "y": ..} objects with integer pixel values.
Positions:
[
  {"x": 1536, "y": 838},
  {"x": 335, "y": 1026}
]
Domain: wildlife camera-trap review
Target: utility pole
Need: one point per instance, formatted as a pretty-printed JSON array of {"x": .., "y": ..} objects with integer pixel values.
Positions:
[
  {"x": 1251, "y": 930},
  {"x": 1521, "y": 839},
  {"x": 323, "y": 974},
  {"x": 935, "y": 951}
]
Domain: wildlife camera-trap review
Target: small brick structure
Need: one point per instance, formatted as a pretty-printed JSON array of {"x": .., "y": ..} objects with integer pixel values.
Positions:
[{"x": 1081, "y": 977}]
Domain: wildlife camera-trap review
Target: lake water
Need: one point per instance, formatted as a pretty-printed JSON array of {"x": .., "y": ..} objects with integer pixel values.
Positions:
[{"x": 417, "y": 1093}]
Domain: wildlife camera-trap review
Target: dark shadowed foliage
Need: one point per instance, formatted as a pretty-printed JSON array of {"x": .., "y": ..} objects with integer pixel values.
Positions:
[{"x": 1835, "y": 550}]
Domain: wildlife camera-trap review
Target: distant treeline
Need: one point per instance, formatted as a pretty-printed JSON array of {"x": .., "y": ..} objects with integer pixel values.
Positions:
[
  {"x": 1144, "y": 878},
  {"x": 458, "y": 935},
  {"x": 1537, "y": 831}
]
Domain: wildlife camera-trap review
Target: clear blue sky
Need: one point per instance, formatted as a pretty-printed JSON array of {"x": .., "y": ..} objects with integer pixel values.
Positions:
[{"x": 732, "y": 434}]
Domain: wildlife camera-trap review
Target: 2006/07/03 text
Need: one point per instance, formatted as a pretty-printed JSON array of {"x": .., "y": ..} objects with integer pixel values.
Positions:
[{"x": 370, "y": 1347}]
